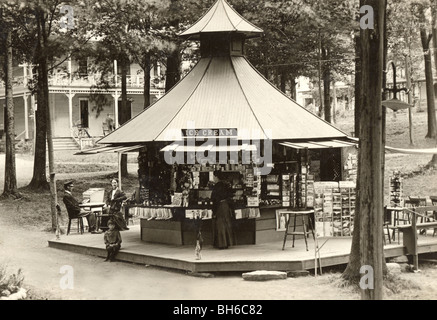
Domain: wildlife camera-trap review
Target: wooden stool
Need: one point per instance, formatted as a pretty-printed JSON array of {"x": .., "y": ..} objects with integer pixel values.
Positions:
[
  {"x": 295, "y": 214},
  {"x": 79, "y": 225}
]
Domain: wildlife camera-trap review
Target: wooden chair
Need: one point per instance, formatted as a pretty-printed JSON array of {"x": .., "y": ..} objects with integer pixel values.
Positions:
[
  {"x": 419, "y": 202},
  {"x": 72, "y": 217},
  {"x": 434, "y": 213},
  {"x": 387, "y": 223}
]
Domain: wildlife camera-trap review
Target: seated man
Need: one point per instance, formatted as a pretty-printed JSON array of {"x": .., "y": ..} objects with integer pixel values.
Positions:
[{"x": 73, "y": 208}]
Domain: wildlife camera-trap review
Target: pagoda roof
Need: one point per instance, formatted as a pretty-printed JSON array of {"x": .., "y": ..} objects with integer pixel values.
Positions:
[
  {"x": 224, "y": 92},
  {"x": 221, "y": 17}
]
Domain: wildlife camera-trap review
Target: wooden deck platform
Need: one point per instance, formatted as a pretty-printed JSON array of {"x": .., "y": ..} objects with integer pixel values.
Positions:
[{"x": 268, "y": 256}]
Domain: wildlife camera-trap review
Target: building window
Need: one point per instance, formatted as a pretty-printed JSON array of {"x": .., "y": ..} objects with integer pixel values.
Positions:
[
  {"x": 83, "y": 67},
  {"x": 119, "y": 69}
]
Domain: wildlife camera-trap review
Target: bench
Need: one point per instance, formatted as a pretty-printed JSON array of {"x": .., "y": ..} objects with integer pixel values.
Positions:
[{"x": 410, "y": 230}]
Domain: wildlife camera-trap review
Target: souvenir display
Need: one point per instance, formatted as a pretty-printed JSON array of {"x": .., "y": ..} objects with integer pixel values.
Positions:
[
  {"x": 334, "y": 208},
  {"x": 396, "y": 190}
]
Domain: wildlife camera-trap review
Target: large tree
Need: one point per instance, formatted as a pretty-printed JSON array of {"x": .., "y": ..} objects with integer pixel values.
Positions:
[
  {"x": 367, "y": 242},
  {"x": 42, "y": 40},
  {"x": 421, "y": 9},
  {"x": 370, "y": 193},
  {"x": 10, "y": 181},
  {"x": 352, "y": 271}
]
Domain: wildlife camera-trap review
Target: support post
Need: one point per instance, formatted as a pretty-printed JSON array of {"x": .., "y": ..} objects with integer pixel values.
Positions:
[
  {"x": 116, "y": 96},
  {"x": 70, "y": 97},
  {"x": 119, "y": 170}
]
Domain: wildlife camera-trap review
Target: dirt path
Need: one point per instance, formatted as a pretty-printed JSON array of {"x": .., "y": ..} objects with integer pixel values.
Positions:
[
  {"x": 95, "y": 279},
  {"x": 27, "y": 248}
]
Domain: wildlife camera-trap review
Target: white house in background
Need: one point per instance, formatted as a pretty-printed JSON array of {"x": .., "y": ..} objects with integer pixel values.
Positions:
[
  {"x": 341, "y": 91},
  {"x": 75, "y": 120}
]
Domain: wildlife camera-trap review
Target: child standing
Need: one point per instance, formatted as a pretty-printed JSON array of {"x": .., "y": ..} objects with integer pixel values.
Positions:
[{"x": 112, "y": 240}]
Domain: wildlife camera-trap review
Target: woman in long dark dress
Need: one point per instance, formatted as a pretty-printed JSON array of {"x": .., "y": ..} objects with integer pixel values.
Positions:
[
  {"x": 114, "y": 200},
  {"x": 223, "y": 214}
]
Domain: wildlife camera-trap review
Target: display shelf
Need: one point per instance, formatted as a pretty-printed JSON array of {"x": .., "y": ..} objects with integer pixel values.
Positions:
[{"x": 396, "y": 192}]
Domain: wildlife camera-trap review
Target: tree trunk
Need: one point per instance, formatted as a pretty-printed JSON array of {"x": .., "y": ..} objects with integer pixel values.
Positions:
[
  {"x": 326, "y": 85},
  {"x": 125, "y": 113},
  {"x": 358, "y": 86},
  {"x": 320, "y": 75},
  {"x": 10, "y": 186},
  {"x": 425, "y": 38},
  {"x": 370, "y": 153},
  {"x": 39, "y": 179},
  {"x": 352, "y": 272},
  {"x": 433, "y": 162},
  {"x": 52, "y": 175},
  {"x": 410, "y": 97},
  {"x": 146, "y": 68},
  {"x": 283, "y": 85},
  {"x": 334, "y": 102},
  {"x": 293, "y": 88},
  {"x": 172, "y": 73}
]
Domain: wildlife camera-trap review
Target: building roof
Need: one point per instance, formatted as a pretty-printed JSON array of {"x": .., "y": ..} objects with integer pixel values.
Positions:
[
  {"x": 224, "y": 92},
  {"x": 221, "y": 17}
]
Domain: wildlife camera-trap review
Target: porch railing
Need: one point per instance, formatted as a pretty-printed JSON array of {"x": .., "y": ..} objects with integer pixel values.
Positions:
[
  {"x": 63, "y": 79},
  {"x": 81, "y": 136}
]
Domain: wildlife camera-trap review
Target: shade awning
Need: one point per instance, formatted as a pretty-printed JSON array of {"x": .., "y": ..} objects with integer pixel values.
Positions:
[
  {"x": 181, "y": 147},
  {"x": 319, "y": 144},
  {"x": 108, "y": 149}
]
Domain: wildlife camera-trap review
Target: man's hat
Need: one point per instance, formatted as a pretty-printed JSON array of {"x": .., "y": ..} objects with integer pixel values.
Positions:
[{"x": 68, "y": 183}]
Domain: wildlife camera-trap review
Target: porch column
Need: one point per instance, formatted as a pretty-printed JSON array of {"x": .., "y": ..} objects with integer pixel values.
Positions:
[
  {"x": 119, "y": 169},
  {"x": 116, "y": 96},
  {"x": 70, "y": 97}
]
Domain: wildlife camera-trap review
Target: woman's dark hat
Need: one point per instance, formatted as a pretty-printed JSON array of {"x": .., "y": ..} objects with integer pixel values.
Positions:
[{"x": 111, "y": 222}]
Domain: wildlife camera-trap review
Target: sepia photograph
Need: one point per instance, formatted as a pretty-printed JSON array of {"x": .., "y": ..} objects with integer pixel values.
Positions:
[{"x": 218, "y": 155}]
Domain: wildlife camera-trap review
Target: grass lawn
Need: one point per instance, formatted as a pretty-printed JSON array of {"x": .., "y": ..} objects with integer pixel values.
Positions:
[{"x": 417, "y": 180}]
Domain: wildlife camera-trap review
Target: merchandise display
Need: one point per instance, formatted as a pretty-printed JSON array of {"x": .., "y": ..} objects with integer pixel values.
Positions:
[
  {"x": 171, "y": 198},
  {"x": 396, "y": 195},
  {"x": 334, "y": 208}
]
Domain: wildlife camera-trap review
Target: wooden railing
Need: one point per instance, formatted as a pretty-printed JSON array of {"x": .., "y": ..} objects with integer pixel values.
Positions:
[
  {"x": 63, "y": 79},
  {"x": 81, "y": 136},
  {"x": 410, "y": 230}
]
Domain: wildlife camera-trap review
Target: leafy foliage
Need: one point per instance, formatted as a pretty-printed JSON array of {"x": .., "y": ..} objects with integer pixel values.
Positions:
[{"x": 10, "y": 283}]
